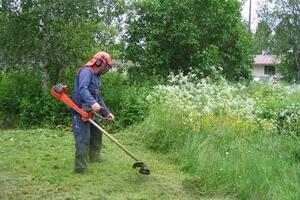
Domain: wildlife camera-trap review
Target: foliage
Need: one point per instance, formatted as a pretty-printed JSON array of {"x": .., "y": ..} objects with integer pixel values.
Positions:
[
  {"x": 287, "y": 68},
  {"x": 284, "y": 17},
  {"x": 28, "y": 105},
  {"x": 24, "y": 103},
  {"x": 43, "y": 110},
  {"x": 55, "y": 35},
  {"x": 14, "y": 87},
  {"x": 178, "y": 35},
  {"x": 127, "y": 101},
  {"x": 262, "y": 38},
  {"x": 227, "y": 135},
  {"x": 255, "y": 101}
]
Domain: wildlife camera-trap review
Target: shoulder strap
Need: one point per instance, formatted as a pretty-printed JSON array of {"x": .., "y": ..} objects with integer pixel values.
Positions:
[{"x": 79, "y": 70}]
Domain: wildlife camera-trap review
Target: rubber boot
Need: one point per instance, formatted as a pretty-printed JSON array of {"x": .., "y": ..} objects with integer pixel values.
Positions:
[
  {"x": 95, "y": 145},
  {"x": 82, "y": 137}
]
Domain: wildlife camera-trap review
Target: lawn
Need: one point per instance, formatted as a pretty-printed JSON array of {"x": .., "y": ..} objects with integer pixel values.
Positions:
[{"x": 38, "y": 164}]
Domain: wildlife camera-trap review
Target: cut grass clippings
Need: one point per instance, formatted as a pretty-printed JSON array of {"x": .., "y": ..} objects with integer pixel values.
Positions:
[{"x": 38, "y": 164}]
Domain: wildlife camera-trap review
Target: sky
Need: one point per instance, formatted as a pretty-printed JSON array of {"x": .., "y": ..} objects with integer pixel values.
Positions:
[{"x": 254, "y": 7}]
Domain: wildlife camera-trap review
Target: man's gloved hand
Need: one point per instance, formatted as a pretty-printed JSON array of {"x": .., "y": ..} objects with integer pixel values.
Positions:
[
  {"x": 96, "y": 107},
  {"x": 110, "y": 117}
]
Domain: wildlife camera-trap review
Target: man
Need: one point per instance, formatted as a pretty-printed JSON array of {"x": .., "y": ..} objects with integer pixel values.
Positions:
[{"x": 86, "y": 94}]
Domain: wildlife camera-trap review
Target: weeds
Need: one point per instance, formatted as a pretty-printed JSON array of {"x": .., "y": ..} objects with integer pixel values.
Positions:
[{"x": 234, "y": 138}]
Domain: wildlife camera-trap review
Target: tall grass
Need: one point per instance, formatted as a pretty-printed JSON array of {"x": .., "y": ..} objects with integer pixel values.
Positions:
[{"x": 228, "y": 136}]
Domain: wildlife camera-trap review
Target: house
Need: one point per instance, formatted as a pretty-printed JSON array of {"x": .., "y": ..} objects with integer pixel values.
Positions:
[{"x": 264, "y": 67}]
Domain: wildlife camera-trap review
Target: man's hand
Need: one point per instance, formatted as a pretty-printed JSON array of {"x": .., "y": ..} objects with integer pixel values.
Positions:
[
  {"x": 110, "y": 117},
  {"x": 96, "y": 107}
]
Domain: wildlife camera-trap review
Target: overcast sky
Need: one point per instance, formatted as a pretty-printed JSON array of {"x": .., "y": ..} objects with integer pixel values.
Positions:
[{"x": 245, "y": 12}]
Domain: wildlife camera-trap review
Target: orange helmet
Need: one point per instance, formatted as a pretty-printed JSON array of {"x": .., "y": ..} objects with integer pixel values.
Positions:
[{"x": 102, "y": 56}]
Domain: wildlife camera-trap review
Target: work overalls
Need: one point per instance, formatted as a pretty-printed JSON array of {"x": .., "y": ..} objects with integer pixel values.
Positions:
[{"x": 88, "y": 139}]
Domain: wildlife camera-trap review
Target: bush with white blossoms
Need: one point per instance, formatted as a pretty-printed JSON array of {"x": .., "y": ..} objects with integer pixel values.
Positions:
[
  {"x": 256, "y": 102},
  {"x": 205, "y": 96},
  {"x": 223, "y": 133}
]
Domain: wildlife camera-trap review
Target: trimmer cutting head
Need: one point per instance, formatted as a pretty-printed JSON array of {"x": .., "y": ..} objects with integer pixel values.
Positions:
[{"x": 143, "y": 168}]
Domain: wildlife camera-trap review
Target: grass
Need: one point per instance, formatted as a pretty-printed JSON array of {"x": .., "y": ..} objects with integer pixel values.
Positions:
[
  {"x": 38, "y": 164},
  {"x": 227, "y": 154}
]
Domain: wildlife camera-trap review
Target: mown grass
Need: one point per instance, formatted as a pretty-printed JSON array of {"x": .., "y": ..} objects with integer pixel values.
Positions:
[{"x": 37, "y": 164}]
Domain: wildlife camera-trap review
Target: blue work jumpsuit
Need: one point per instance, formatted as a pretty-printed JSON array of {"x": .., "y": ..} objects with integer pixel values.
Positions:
[{"x": 87, "y": 137}]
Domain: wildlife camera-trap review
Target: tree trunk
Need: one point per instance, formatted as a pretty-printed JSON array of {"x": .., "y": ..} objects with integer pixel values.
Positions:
[
  {"x": 297, "y": 59},
  {"x": 45, "y": 80},
  {"x": 58, "y": 74}
]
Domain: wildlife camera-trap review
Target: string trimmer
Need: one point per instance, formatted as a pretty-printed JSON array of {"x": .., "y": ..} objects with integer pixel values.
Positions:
[{"x": 59, "y": 92}]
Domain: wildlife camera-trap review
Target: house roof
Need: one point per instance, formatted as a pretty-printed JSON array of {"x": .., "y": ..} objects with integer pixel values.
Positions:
[{"x": 266, "y": 60}]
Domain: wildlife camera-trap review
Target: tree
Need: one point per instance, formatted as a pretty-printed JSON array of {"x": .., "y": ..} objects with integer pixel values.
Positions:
[
  {"x": 262, "y": 38},
  {"x": 55, "y": 34},
  {"x": 284, "y": 18},
  {"x": 176, "y": 35}
]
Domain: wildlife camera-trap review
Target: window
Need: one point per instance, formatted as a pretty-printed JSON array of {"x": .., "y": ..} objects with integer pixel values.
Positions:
[{"x": 270, "y": 70}]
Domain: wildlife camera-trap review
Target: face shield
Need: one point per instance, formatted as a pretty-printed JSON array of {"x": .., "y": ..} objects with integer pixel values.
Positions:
[{"x": 107, "y": 67}]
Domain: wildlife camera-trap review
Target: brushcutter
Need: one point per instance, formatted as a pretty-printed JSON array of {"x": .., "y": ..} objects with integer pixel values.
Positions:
[{"x": 60, "y": 92}]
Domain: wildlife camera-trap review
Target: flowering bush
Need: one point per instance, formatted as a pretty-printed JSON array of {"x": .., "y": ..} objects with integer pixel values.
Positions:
[
  {"x": 225, "y": 133},
  {"x": 255, "y": 102}
]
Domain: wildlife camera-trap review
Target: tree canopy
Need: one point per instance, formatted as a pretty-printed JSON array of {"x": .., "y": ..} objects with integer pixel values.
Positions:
[
  {"x": 284, "y": 18},
  {"x": 175, "y": 35},
  {"x": 263, "y": 38},
  {"x": 56, "y": 34},
  {"x": 161, "y": 36}
]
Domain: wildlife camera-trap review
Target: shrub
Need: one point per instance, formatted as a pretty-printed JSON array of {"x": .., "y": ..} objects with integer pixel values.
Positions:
[
  {"x": 125, "y": 99},
  {"x": 23, "y": 103},
  {"x": 43, "y": 110},
  {"x": 14, "y": 87},
  {"x": 218, "y": 133}
]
